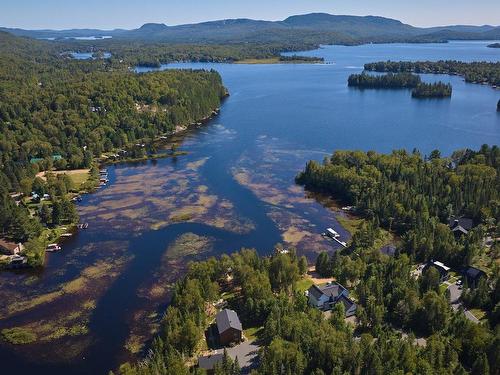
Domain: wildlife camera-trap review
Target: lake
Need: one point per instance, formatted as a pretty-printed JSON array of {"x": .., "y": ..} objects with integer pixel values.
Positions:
[{"x": 98, "y": 301}]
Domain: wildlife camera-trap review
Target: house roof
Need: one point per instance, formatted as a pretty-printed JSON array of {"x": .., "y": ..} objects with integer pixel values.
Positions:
[
  {"x": 227, "y": 319},
  {"x": 332, "y": 290},
  {"x": 347, "y": 302},
  {"x": 462, "y": 222},
  {"x": 474, "y": 272},
  {"x": 441, "y": 265},
  {"x": 8, "y": 245},
  {"x": 208, "y": 362}
]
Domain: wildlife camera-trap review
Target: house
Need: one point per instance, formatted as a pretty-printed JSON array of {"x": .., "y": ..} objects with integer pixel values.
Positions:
[
  {"x": 229, "y": 327},
  {"x": 208, "y": 362},
  {"x": 9, "y": 247},
  {"x": 325, "y": 297},
  {"x": 473, "y": 275},
  {"x": 460, "y": 226},
  {"x": 440, "y": 267}
]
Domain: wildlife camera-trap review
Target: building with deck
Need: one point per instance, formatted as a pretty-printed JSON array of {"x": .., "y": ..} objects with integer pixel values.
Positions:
[{"x": 327, "y": 296}]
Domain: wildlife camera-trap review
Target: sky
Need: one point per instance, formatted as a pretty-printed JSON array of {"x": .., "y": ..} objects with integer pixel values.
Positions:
[{"x": 129, "y": 14}]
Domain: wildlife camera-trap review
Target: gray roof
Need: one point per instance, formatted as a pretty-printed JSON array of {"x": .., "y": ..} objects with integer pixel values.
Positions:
[
  {"x": 227, "y": 319},
  {"x": 474, "y": 272},
  {"x": 332, "y": 290},
  {"x": 463, "y": 222},
  {"x": 208, "y": 362},
  {"x": 348, "y": 303}
]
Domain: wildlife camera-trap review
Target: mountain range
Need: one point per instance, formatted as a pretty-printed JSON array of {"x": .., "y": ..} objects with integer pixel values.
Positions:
[{"x": 314, "y": 28}]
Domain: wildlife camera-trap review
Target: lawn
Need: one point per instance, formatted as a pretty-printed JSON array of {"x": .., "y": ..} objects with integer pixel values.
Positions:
[
  {"x": 303, "y": 284},
  {"x": 79, "y": 178},
  {"x": 252, "y": 333},
  {"x": 349, "y": 224}
]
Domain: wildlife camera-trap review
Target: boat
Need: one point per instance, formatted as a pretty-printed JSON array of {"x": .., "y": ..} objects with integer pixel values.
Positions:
[
  {"x": 53, "y": 247},
  {"x": 331, "y": 233},
  {"x": 66, "y": 235}
]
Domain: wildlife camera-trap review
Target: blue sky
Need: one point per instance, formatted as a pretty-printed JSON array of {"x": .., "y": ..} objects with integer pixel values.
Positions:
[{"x": 108, "y": 14}]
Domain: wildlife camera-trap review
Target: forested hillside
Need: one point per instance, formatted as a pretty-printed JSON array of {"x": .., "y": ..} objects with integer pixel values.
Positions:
[{"x": 63, "y": 113}]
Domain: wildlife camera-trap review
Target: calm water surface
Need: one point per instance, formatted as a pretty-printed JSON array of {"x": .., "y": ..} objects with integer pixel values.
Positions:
[{"x": 234, "y": 189}]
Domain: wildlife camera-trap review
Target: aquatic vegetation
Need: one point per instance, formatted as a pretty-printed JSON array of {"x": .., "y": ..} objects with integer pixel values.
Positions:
[
  {"x": 189, "y": 244},
  {"x": 18, "y": 336}
]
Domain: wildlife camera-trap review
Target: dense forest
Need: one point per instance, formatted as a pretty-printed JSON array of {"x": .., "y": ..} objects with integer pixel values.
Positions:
[
  {"x": 432, "y": 90},
  {"x": 386, "y": 81},
  {"x": 474, "y": 72},
  {"x": 298, "y": 339},
  {"x": 59, "y": 113},
  {"x": 416, "y": 196}
]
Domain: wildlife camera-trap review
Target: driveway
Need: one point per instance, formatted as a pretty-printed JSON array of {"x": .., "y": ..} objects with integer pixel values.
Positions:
[
  {"x": 455, "y": 294},
  {"x": 247, "y": 353}
]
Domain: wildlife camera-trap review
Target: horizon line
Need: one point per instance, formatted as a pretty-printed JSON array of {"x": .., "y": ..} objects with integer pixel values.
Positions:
[{"x": 244, "y": 18}]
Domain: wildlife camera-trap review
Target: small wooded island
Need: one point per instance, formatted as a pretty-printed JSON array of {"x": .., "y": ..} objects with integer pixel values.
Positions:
[
  {"x": 401, "y": 81},
  {"x": 494, "y": 45},
  {"x": 432, "y": 90},
  {"x": 387, "y": 81}
]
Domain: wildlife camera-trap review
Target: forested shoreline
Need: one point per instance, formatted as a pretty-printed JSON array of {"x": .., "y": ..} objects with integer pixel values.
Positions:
[
  {"x": 473, "y": 72},
  {"x": 407, "y": 194},
  {"x": 59, "y": 113}
]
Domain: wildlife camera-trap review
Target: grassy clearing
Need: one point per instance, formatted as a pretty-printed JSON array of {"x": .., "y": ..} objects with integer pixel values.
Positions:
[
  {"x": 350, "y": 224},
  {"x": 253, "y": 333},
  {"x": 18, "y": 336},
  {"x": 304, "y": 284},
  {"x": 270, "y": 60}
]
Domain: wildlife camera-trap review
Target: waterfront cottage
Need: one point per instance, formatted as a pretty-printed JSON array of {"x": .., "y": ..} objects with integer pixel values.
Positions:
[
  {"x": 9, "y": 247},
  {"x": 327, "y": 296},
  {"x": 229, "y": 327}
]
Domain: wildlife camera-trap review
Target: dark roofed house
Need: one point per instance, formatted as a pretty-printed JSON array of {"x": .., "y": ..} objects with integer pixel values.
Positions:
[
  {"x": 208, "y": 362},
  {"x": 9, "y": 247},
  {"x": 228, "y": 327},
  {"x": 460, "y": 226},
  {"x": 473, "y": 275},
  {"x": 326, "y": 296}
]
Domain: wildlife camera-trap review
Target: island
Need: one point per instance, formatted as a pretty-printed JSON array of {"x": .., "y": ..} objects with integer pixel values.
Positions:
[
  {"x": 493, "y": 45},
  {"x": 486, "y": 73},
  {"x": 386, "y": 81},
  {"x": 432, "y": 90}
]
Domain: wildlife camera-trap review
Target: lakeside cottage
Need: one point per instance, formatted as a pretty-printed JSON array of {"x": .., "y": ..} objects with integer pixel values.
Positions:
[
  {"x": 229, "y": 327},
  {"x": 9, "y": 247},
  {"x": 327, "y": 296},
  {"x": 440, "y": 267}
]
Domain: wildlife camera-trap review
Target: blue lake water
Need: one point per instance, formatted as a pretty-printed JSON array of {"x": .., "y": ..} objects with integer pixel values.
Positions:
[{"x": 235, "y": 187}]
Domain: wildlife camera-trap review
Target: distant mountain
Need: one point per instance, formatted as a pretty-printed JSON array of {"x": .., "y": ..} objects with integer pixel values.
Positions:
[{"x": 309, "y": 28}]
